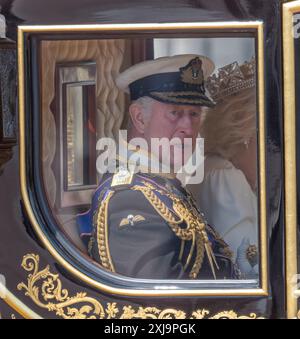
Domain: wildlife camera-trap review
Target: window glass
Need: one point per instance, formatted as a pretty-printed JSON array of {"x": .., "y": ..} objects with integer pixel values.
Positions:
[{"x": 149, "y": 154}]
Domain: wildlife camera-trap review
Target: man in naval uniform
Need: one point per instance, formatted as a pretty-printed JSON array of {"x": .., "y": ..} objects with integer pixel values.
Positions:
[{"x": 145, "y": 225}]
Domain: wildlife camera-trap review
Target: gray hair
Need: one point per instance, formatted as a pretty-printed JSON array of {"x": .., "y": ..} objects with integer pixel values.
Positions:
[{"x": 146, "y": 104}]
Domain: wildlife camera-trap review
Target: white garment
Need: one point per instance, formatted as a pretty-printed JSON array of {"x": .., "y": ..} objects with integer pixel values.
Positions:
[{"x": 230, "y": 206}]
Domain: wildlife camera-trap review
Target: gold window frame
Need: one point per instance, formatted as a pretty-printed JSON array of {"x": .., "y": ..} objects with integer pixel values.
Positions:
[
  {"x": 289, "y": 9},
  {"x": 167, "y": 27}
]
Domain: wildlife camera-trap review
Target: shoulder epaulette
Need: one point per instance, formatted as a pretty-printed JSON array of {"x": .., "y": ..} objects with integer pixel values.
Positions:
[{"x": 122, "y": 177}]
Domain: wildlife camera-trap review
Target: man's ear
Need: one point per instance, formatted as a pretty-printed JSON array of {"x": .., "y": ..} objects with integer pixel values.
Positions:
[{"x": 137, "y": 117}]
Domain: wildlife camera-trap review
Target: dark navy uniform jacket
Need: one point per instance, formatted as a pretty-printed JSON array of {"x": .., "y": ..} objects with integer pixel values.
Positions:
[{"x": 128, "y": 231}]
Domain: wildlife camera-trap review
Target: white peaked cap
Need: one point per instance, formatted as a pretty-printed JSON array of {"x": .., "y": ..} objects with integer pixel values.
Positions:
[{"x": 159, "y": 66}]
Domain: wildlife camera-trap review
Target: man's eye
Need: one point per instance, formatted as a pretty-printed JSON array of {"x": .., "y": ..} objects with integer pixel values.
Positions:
[
  {"x": 195, "y": 114},
  {"x": 174, "y": 113}
]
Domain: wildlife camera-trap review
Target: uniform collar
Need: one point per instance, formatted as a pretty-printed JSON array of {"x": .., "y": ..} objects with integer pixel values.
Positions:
[{"x": 148, "y": 163}]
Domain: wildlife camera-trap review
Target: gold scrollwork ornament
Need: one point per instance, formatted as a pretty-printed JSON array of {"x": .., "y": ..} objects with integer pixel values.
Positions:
[
  {"x": 233, "y": 315},
  {"x": 46, "y": 291},
  {"x": 151, "y": 313}
]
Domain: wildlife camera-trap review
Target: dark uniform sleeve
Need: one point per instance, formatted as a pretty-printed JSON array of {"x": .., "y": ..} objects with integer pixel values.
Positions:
[{"x": 144, "y": 248}]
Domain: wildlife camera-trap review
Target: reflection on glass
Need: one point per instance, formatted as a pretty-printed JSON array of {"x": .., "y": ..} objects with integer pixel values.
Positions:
[
  {"x": 75, "y": 135},
  {"x": 218, "y": 49},
  {"x": 80, "y": 136}
]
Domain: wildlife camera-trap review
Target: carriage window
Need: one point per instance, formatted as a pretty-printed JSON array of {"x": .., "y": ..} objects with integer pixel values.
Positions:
[
  {"x": 150, "y": 155},
  {"x": 74, "y": 107}
]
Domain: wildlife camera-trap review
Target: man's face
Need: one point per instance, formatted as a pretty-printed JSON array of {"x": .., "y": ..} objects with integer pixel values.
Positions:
[{"x": 174, "y": 121}]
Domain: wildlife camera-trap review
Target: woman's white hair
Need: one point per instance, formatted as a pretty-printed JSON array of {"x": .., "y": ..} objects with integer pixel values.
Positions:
[{"x": 231, "y": 123}]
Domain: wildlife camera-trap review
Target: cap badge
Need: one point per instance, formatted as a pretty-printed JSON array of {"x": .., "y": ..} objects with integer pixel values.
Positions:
[{"x": 192, "y": 73}]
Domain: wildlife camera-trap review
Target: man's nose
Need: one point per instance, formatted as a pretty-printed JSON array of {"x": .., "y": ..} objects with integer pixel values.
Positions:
[{"x": 185, "y": 126}]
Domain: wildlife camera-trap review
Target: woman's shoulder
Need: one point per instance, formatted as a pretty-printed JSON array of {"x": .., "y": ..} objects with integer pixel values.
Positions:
[
  {"x": 215, "y": 163},
  {"x": 221, "y": 175}
]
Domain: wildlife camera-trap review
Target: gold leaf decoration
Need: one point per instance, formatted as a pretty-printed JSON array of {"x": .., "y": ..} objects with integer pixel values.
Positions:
[
  {"x": 112, "y": 310},
  {"x": 151, "y": 313},
  {"x": 46, "y": 291},
  {"x": 200, "y": 314},
  {"x": 233, "y": 315}
]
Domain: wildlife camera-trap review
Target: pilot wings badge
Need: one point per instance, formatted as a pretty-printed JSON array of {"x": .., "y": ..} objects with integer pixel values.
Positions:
[{"x": 131, "y": 220}]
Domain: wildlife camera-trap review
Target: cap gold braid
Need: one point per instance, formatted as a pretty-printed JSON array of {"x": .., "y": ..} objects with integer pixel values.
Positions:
[{"x": 231, "y": 79}]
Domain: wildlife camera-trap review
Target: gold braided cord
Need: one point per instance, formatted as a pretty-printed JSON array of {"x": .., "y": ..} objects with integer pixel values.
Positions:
[
  {"x": 173, "y": 96},
  {"x": 181, "y": 250},
  {"x": 200, "y": 250},
  {"x": 102, "y": 234},
  {"x": 164, "y": 212},
  {"x": 195, "y": 230},
  {"x": 191, "y": 251}
]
